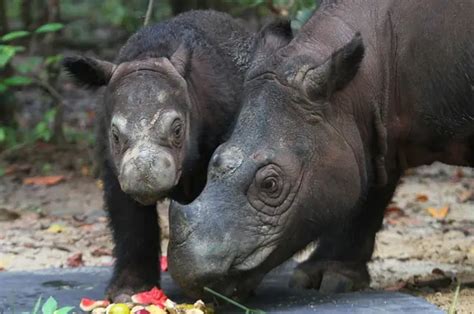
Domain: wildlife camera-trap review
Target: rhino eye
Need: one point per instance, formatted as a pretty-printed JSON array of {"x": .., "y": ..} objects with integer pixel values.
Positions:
[
  {"x": 269, "y": 185},
  {"x": 269, "y": 189},
  {"x": 177, "y": 131},
  {"x": 115, "y": 137}
]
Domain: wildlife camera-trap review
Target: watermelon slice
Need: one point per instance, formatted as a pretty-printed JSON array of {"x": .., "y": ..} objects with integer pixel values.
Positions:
[
  {"x": 88, "y": 305},
  {"x": 164, "y": 263},
  {"x": 155, "y": 296}
]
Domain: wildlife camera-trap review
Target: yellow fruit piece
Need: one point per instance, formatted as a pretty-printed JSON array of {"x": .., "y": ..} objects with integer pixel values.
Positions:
[
  {"x": 55, "y": 228},
  {"x": 118, "y": 308},
  {"x": 153, "y": 309}
]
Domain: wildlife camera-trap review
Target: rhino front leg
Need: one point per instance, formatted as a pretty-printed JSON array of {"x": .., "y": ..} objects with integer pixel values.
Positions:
[
  {"x": 136, "y": 237},
  {"x": 339, "y": 263}
]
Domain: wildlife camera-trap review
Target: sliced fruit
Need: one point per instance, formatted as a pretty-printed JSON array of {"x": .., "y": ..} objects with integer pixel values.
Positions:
[
  {"x": 155, "y": 296},
  {"x": 164, "y": 263},
  {"x": 118, "y": 308},
  {"x": 99, "y": 310},
  {"x": 88, "y": 305},
  {"x": 138, "y": 309},
  {"x": 155, "y": 309}
]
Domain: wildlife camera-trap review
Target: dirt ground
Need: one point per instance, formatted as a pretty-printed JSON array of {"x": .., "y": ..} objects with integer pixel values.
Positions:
[{"x": 426, "y": 246}]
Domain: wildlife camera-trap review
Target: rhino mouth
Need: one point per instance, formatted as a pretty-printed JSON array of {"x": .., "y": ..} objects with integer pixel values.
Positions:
[{"x": 239, "y": 286}]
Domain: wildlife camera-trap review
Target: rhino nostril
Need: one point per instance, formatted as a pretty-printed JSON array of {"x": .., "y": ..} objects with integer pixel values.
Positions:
[
  {"x": 167, "y": 163},
  {"x": 216, "y": 160}
]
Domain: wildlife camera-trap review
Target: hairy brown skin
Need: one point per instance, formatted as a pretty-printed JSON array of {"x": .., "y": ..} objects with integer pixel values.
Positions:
[{"x": 330, "y": 121}]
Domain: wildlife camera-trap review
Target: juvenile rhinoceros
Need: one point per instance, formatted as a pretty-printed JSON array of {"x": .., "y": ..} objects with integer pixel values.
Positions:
[
  {"x": 170, "y": 99},
  {"x": 329, "y": 123}
]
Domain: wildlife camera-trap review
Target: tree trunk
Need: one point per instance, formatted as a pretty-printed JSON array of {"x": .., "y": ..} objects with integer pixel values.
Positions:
[
  {"x": 25, "y": 12},
  {"x": 4, "y": 28}
]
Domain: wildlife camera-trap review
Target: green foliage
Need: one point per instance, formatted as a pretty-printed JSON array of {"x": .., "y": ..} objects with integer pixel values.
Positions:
[
  {"x": 14, "y": 35},
  {"x": 8, "y": 136},
  {"x": 7, "y": 52},
  {"x": 43, "y": 131},
  {"x": 17, "y": 80},
  {"x": 299, "y": 11},
  {"x": 24, "y": 70},
  {"x": 50, "y": 306},
  {"x": 301, "y": 17},
  {"x": 49, "y": 28},
  {"x": 29, "y": 64}
]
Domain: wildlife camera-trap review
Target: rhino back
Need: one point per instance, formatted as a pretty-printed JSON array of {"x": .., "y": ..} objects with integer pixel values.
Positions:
[
  {"x": 418, "y": 64},
  {"x": 208, "y": 31},
  {"x": 435, "y": 57}
]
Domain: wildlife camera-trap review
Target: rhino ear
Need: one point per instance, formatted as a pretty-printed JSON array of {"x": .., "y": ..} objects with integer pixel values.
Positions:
[
  {"x": 89, "y": 72},
  {"x": 272, "y": 37},
  {"x": 336, "y": 72},
  {"x": 180, "y": 59}
]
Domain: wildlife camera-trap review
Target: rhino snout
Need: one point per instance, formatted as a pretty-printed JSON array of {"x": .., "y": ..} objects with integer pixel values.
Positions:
[
  {"x": 196, "y": 259},
  {"x": 147, "y": 174}
]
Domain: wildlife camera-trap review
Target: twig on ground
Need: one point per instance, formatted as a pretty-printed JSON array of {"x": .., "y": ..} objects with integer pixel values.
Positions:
[{"x": 452, "y": 308}]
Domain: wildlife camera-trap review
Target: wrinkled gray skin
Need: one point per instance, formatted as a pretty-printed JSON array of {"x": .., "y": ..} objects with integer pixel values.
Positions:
[
  {"x": 170, "y": 99},
  {"x": 330, "y": 120}
]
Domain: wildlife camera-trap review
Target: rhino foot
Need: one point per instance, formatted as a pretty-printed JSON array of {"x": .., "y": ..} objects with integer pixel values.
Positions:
[
  {"x": 330, "y": 276},
  {"x": 121, "y": 288}
]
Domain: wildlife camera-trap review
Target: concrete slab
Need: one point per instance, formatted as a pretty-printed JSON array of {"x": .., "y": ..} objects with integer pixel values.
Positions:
[{"x": 20, "y": 290}]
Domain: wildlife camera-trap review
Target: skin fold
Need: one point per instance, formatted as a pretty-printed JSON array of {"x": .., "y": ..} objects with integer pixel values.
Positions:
[
  {"x": 330, "y": 120},
  {"x": 170, "y": 98}
]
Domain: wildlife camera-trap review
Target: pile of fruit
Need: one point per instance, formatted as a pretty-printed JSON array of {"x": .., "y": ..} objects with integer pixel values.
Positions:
[{"x": 148, "y": 302}]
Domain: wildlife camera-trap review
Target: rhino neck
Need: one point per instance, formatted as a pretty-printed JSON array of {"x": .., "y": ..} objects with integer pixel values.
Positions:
[
  {"x": 363, "y": 102},
  {"x": 239, "y": 49}
]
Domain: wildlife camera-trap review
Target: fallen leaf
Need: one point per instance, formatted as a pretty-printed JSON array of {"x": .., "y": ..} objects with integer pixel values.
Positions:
[
  {"x": 421, "y": 198},
  {"x": 396, "y": 287},
  {"x": 75, "y": 260},
  {"x": 45, "y": 181},
  {"x": 85, "y": 171},
  {"x": 437, "y": 271},
  {"x": 8, "y": 215},
  {"x": 55, "y": 228},
  {"x": 101, "y": 252},
  {"x": 466, "y": 196},
  {"x": 440, "y": 213},
  {"x": 394, "y": 210},
  {"x": 459, "y": 173},
  {"x": 100, "y": 184},
  {"x": 17, "y": 168},
  {"x": 87, "y": 227}
]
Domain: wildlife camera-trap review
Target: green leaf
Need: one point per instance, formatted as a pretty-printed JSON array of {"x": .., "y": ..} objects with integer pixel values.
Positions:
[
  {"x": 51, "y": 60},
  {"x": 17, "y": 80},
  {"x": 3, "y": 88},
  {"x": 37, "y": 306},
  {"x": 50, "y": 27},
  {"x": 6, "y": 53},
  {"x": 49, "y": 306},
  {"x": 14, "y": 35},
  {"x": 3, "y": 134},
  {"x": 49, "y": 115},
  {"x": 64, "y": 310}
]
